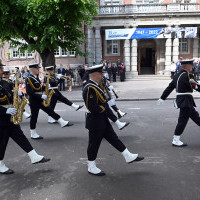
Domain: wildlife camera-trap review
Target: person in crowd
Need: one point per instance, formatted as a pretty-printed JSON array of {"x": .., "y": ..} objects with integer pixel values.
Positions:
[
  {"x": 25, "y": 73},
  {"x": 178, "y": 65},
  {"x": 18, "y": 72},
  {"x": 109, "y": 70},
  {"x": 114, "y": 71},
  {"x": 118, "y": 66},
  {"x": 62, "y": 71},
  {"x": 69, "y": 73},
  {"x": 122, "y": 72}
]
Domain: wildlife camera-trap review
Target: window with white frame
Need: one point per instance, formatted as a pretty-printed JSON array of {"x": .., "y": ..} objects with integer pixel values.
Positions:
[
  {"x": 184, "y": 46},
  {"x": 112, "y": 47},
  {"x": 60, "y": 52},
  {"x": 15, "y": 53}
]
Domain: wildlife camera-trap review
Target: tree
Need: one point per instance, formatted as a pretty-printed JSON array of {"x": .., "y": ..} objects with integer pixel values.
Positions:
[{"x": 44, "y": 25}]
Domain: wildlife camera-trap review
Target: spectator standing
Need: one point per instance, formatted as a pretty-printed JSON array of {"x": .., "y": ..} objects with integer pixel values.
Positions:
[
  {"x": 25, "y": 73},
  {"x": 178, "y": 65},
  {"x": 109, "y": 70},
  {"x": 114, "y": 71},
  {"x": 70, "y": 74},
  {"x": 118, "y": 66},
  {"x": 18, "y": 72},
  {"x": 122, "y": 72},
  {"x": 61, "y": 70}
]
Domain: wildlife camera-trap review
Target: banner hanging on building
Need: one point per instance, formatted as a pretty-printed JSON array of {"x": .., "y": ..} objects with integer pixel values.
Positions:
[{"x": 150, "y": 33}]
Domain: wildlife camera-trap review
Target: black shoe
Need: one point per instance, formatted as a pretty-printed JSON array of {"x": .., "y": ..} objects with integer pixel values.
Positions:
[
  {"x": 127, "y": 123},
  {"x": 9, "y": 171},
  {"x": 137, "y": 159},
  {"x": 69, "y": 124},
  {"x": 44, "y": 160},
  {"x": 102, "y": 173},
  {"x": 120, "y": 116},
  {"x": 38, "y": 138},
  {"x": 183, "y": 145},
  {"x": 79, "y": 107}
]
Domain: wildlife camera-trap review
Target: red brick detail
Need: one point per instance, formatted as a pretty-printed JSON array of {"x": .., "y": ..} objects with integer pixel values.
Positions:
[
  {"x": 190, "y": 55},
  {"x": 128, "y": 2}
]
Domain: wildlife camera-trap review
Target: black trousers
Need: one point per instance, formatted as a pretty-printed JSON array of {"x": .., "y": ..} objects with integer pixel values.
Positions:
[
  {"x": 35, "y": 111},
  {"x": 114, "y": 77},
  {"x": 62, "y": 84},
  {"x": 184, "y": 115},
  {"x": 15, "y": 132},
  {"x": 61, "y": 98},
  {"x": 95, "y": 138}
]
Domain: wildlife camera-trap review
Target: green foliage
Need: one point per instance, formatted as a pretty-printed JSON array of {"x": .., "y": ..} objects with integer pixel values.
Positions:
[{"x": 44, "y": 23}]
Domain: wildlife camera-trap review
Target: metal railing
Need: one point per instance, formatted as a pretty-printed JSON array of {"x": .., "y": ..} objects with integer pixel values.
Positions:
[{"x": 149, "y": 8}]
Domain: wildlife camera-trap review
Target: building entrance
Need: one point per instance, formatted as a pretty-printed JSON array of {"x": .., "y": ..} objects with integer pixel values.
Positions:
[{"x": 146, "y": 58}]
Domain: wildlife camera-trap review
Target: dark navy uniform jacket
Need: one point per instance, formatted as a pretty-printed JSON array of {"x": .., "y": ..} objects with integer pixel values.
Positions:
[
  {"x": 181, "y": 83},
  {"x": 34, "y": 89},
  {"x": 97, "y": 106},
  {"x": 6, "y": 97}
]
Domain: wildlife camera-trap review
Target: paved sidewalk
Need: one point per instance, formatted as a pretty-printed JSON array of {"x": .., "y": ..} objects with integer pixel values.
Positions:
[{"x": 132, "y": 90}]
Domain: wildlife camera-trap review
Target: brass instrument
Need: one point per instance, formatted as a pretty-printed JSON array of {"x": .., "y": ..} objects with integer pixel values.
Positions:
[
  {"x": 49, "y": 94},
  {"x": 19, "y": 105}
]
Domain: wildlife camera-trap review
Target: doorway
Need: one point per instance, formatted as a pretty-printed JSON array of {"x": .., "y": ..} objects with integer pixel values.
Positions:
[{"x": 146, "y": 57}]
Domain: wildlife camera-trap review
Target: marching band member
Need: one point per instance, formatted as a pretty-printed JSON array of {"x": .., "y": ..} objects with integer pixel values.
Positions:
[
  {"x": 34, "y": 90},
  {"x": 54, "y": 81},
  {"x": 10, "y": 130},
  {"x": 184, "y": 100},
  {"x": 6, "y": 76},
  {"x": 98, "y": 124}
]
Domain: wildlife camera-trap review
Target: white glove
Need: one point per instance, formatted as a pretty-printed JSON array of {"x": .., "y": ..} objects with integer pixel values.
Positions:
[
  {"x": 160, "y": 102},
  {"x": 44, "y": 96},
  {"x": 111, "y": 87},
  {"x": 19, "y": 93},
  {"x": 59, "y": 76},
  {"x": 11, "y": 111}
]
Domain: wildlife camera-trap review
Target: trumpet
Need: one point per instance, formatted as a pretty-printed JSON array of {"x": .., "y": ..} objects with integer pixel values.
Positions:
[{"x": 64, "y": 77}]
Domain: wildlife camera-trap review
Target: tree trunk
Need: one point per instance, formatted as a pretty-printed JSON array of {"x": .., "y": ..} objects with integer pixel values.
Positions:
[{"x": 48, "y": 58}]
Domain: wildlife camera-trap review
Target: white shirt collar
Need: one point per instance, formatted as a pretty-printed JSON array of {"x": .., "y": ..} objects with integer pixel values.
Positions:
[{"x": 94, "y": 82}]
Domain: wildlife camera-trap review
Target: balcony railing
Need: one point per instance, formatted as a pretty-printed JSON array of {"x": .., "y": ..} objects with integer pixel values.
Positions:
[{"x": 149, "y": 8}]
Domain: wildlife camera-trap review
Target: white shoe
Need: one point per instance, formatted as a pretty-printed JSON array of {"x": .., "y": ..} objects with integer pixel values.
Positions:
[
  {"x": 129, "y": 157},
  {"x": 62, "y": 122},
  {"x": 34, "y": 156},
  {"x": 92, "y": 169},
  {"x": 26, "y": 115},
  {"x": 120, "y": 114},
  {"x": 177, "y": 142},
  {"x": 121, "y": 125},
  {"x": 51, "y": 120},
  {"x": 34, "y": 135},
  {"x": 3, "y": 167},
  {"x": 75, "y": 106}
]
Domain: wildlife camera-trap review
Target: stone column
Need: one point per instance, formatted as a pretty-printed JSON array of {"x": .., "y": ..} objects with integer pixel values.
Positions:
[
  {"x": 90, "y": 47},
  {"x": 127, "y": 54},
  {"x": 175, "y": 49},
  {"x": 98, "y": 46},
  {"x": 168, "y": 54},
  {"x": 134, "y": 57},
  {"x": 195, "y": 48}
]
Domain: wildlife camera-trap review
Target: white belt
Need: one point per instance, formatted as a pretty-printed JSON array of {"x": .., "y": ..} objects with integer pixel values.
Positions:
[
  {"x": 38, "y": 92},
  {"x": 186, "y": 93},
  {"x": 51, "y": 88},
  {"x": 7, "y": 106}
]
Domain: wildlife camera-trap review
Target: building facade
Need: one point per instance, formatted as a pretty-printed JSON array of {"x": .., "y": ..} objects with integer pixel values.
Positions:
[
  {"x": 144, "y": 56},
  {"x": 141, "y": 56}
]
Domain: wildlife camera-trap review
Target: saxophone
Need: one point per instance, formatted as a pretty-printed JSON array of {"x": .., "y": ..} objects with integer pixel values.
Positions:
[
  {"x": 49, "y": 94},
  {"x": 19, "y": 105}
]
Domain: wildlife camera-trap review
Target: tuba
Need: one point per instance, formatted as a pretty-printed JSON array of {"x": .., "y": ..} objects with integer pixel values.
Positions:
[
  {"x": 49, "y": 94},
  {"x": 19, "y": 105}
]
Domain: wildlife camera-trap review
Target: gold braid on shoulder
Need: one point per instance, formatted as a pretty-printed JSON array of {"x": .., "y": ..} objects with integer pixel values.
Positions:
[{"x": 37, "y": 89}]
